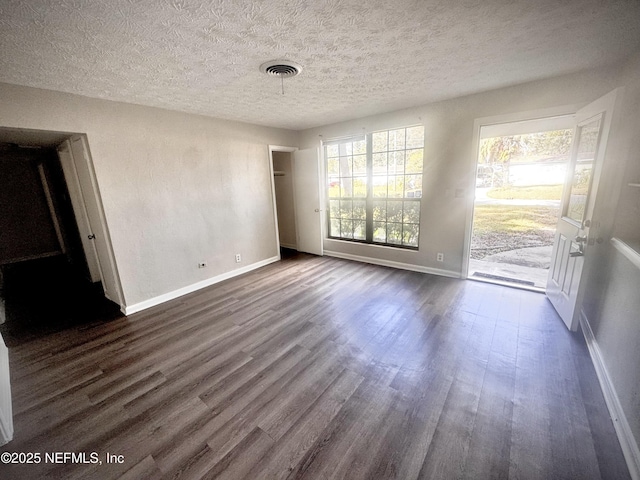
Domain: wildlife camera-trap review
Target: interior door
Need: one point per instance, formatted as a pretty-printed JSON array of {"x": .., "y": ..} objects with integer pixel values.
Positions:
[
  {"x": 576, "y": 228},
  {"x": 79, "y": 210},
  {"x": 307, "y": 199},
  {"x": 99, "y": 233}
]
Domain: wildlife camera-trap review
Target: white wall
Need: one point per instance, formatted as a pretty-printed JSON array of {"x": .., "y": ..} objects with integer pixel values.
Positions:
[
  {"x": 450, "y": 159},
  {"x": 177, "y": 188}
]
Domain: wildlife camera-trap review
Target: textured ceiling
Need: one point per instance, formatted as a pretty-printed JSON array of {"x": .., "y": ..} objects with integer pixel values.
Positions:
[{"x": 359, "y": 57}]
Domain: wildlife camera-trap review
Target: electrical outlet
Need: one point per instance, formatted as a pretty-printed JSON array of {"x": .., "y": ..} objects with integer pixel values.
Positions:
[
  {"x": 202, "y": 264},
  {"x": 238, "y": 258},
  {"x": 439, "y": 257}
]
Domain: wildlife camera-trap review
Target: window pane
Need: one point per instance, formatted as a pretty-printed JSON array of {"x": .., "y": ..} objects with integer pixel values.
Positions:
[
  {"x": 380, "y": 186},
  {"x": 346, "y": 167},
  {"x": 394, "y": 233},
  {"x": 396, "y": 163},
  {"x": 379, "y": 232},
  {"x": 396, "y": 139},
  {"x": 414, "y": 161},
  {"x": 360, "y": 165},
  {"x": 415, "y": 137},
  {"x": 333, "y": 166},
  {"x": 360, "y": 147},
  {"x": 394, "y": 211},
  {"x": 410, "y": 235},
  {"x": 346, "y": 228},
  {"x": 360, "y": 187},
  {"x": 334, "y": 187},
  {"x": 359, "y": 230},
  {"x": 395, "y": 186},
  {"x": 346, "y": 189},
  {"x": 583, "y": 170},
  {"x": 346, "y": 149},
  {"x": 332, "y": 151},
  {"x": 379, "y": 142},
  {"x": 380, "y": 211},
  {"x": 334, "y": 227},
  {"x": 411, "y": 212},
  {"x": 346, "y": 208},
  {"x": 334, "y": 208},
  {"x": 379, "y": 163},
  {"x": 413, "y": 186},
  {"x": 359, "y": 210}
]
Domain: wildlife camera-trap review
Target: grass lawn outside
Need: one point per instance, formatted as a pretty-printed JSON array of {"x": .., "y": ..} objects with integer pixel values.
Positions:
[
  {"x": 500, "y": 228},
  {"x": 533, "y": 192}
]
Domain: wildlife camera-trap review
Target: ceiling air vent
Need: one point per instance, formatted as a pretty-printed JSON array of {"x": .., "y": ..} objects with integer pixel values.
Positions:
[{"x": 281, "y": 68}]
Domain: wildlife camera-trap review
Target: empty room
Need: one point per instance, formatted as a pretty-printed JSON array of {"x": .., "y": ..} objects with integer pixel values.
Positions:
[{"x": 292, "y": 239}]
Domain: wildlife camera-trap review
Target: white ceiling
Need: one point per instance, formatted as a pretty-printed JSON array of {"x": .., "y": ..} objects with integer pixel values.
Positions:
[{"x": 359, "y": 57}]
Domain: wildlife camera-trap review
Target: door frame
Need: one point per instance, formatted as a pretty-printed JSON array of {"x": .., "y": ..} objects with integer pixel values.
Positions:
[
  {"x": 478, "y": 123},
  {"x": 280, "y": 148}
]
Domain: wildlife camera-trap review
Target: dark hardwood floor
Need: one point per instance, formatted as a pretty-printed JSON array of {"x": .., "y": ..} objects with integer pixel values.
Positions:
[{"x": 316, "y": 367}]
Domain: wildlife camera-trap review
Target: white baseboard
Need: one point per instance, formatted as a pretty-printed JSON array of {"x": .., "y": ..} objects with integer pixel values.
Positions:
[
  {"x": 620, "y": 423},
  {"x": 390, "y": 263},
  {"x": 152, "y": 302},
  {"x": 289, "y": 245}
]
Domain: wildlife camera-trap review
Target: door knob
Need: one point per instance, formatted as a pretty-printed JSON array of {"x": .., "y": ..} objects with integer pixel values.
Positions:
[
  {"x": 580, "y": 239},
  {"x": 317, "y": 210}
]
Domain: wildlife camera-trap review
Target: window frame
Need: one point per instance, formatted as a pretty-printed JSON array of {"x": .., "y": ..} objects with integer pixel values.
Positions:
[{"x": 369, "y": 200}]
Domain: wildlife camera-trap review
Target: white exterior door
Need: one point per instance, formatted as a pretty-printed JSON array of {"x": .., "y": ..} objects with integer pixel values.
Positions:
[
  {"x": 307, "y": 199},
  {"x": 576, "y": 230}
]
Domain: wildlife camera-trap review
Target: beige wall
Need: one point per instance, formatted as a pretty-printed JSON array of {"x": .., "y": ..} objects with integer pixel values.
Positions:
[
  {"x": 177, "y": 189},
  {"x": 449, "y": 158},
  {"x": 283, "y": 162}
]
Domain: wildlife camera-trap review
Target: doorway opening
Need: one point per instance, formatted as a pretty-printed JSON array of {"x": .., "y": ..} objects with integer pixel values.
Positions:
[
  {"x": 297, "y": 212},
  {"x": 284, "y": 200},
  {"x": 521, "y": 168},
  {"x": 45, "y": 282}
]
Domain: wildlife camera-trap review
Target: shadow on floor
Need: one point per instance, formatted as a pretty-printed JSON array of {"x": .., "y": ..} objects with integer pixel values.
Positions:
[{"x": 46, "y": 296}]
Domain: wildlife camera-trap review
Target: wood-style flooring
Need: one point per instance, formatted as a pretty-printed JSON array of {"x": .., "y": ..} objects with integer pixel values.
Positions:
[{"x": 315, "y": 368}]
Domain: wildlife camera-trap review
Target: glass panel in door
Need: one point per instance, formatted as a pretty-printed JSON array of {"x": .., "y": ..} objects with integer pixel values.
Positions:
[{"x": 588, "y": 135}]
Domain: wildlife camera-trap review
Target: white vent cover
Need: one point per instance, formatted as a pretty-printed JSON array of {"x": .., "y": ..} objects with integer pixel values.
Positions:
[{"x": 281, "y": 68}]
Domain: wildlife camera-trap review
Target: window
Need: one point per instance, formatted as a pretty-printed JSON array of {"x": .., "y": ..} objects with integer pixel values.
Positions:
[{"x": 374, "y": 187}]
